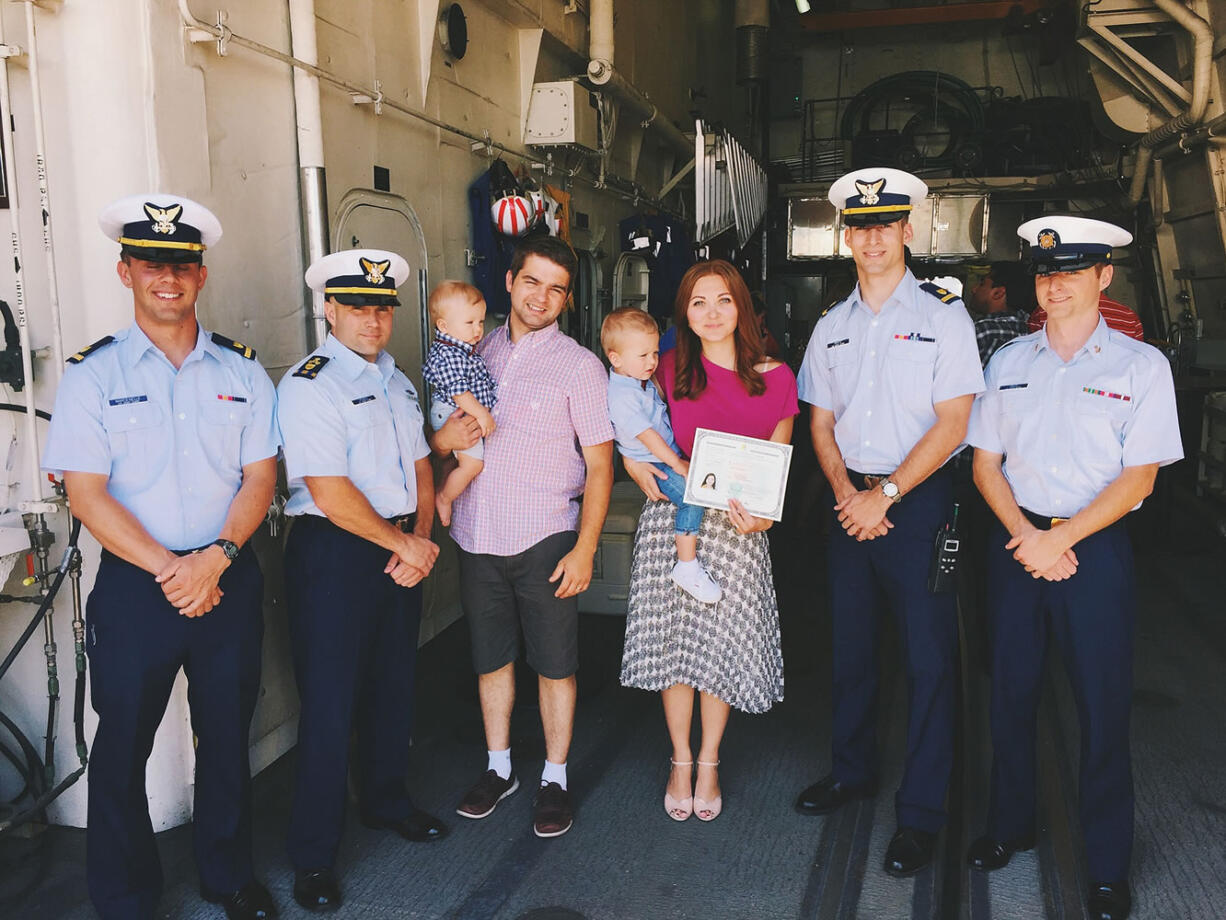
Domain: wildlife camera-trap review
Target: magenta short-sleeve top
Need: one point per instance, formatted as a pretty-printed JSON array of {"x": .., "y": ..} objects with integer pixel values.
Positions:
[{"x": 725, "y": 406}]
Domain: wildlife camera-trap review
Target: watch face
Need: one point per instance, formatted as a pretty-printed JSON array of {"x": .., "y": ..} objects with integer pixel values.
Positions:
[
  {"x": 229, "y": 548},
  {"x": 890, "y": 489}
]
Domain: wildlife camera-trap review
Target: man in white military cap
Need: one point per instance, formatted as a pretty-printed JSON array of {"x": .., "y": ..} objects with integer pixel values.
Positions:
[
  {"x": 890, "y": 373},
  {"x": 362, "y": 502},
  {"x": 167, "y": 441},
  {"x": 1069, "y": 435}
]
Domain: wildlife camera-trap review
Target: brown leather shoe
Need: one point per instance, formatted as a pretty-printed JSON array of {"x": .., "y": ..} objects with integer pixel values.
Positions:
[
  {"x": 552, "y": 815},
  {"x": 484, "y": 797}
]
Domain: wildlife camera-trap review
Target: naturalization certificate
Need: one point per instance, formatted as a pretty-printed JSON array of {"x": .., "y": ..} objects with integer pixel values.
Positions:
[{"x": 753, "y": 471}]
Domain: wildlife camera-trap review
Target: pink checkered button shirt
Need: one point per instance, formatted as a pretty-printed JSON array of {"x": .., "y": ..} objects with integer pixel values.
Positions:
[{"x": 552, "y": 400}]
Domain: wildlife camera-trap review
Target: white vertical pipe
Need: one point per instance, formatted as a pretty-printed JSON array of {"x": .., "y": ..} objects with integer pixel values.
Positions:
[
  {"x": 600, "y": 32},
  {"x": 311, "y": 182},
  {"x": 34, "y": 484},
  {"x": 44, "y": 196}
]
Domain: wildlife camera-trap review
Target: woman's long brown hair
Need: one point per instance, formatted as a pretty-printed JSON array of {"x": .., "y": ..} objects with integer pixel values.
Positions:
[{"x": 691, "y": 377}]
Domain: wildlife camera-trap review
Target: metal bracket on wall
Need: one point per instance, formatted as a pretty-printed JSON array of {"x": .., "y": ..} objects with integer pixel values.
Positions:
[
  {"x": 221, "y": 37},
  {"x": 472, "y": 258},
  {"x": 376, "y": 99}
]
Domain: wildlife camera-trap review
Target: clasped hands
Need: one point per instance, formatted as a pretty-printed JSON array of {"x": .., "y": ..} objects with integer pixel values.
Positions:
[
  {"x": 862, "y": 514},
  {"x": 190, "y": 582},
  {"x": 1044, "y": 553},
  {"x": 412, "y": 561}
]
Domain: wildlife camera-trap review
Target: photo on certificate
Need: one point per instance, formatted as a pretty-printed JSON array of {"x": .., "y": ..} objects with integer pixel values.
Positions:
[{"x": 725, "y": 466}]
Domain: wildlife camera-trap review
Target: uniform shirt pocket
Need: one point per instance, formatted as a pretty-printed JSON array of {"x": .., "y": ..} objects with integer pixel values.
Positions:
[
  {"x": 222, "y": 423},
  {"x": 912, "y": 367},
  {"x": 1102, "y": 415},
  {"x": 137, "y": 441},
  {"x": 841, "y": 362}
]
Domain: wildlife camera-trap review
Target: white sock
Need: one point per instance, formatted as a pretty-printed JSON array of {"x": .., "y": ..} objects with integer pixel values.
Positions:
[
  {"x": 554, "y": 773},
  {"x": 687, "y": 563},
  {"x": 500, "y": 763}
]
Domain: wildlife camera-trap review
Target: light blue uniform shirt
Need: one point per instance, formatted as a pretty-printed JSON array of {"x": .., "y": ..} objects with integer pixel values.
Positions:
[
  {"x": 881, "y": 373},
  {"x": 173, "y": 443},
  {"x": 356, "y": 418},
  {"x": 633, "y": 408},
  {"x": 1068, "y": 430}
]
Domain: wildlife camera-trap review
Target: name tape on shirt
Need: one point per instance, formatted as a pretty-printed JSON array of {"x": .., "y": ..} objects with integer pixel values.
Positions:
[
  {"x": 127, "y": 400},
  {"x": 362, "y": 399},
  {"x": 1013, "y": 386},
  {"x": 838, "y": 343}
]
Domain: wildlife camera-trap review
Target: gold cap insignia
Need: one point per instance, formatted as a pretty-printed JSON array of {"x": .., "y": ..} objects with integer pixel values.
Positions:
[
  {"x": 164, "y": 218},
  {"x": 375, "y": 270},
  {"x": 870, "y": 192}
]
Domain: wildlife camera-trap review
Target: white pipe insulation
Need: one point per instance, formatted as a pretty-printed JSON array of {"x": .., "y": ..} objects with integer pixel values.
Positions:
[
  {"x": 34, "y": 485},
  {"x": 44, "y": 195},
  {"x": 312, "y": 187}
]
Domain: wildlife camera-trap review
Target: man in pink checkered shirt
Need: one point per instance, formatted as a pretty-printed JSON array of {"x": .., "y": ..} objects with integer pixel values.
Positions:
[{"x": 526, "y": 541}]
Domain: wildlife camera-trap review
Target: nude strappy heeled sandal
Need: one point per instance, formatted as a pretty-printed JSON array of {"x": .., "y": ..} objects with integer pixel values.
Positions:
[
  {"x": 704, "y": 810},
  {"x": 679, "y": 809}
]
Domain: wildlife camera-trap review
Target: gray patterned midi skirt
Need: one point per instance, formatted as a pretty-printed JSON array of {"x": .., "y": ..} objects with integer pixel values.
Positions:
[{"x": 730, "y": 649}]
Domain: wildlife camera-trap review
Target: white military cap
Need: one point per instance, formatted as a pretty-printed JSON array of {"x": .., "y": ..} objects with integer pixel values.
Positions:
[
  {"x": 160, "y": 227},
  {"x": 359, "y": 276},
  {"x": 877, "y": 195},
  {"x": 1060, "y": 243}
]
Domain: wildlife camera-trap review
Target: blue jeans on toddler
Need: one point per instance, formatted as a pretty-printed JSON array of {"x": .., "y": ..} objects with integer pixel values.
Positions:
[{"x": 689, "y": 517}]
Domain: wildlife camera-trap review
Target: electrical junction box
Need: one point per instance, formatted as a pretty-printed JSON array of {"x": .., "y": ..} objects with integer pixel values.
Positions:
[{"x": 562, "y": 114}]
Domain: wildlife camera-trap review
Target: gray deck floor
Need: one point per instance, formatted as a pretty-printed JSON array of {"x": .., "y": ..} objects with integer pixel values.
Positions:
[{"x": 626, "y": 860}]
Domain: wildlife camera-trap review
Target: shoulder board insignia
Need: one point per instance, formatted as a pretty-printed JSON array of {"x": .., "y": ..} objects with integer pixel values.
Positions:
[
  {"x": 829, "y": 308},
  {"x": 90, "y": 349},
  {"x": 312, "y": 366},
  {"x": 226, "y": 342},
  {"x": 939, "y": 292}
]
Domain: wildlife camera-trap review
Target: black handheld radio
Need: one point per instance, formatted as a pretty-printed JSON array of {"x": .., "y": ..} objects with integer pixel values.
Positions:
[{"x": 943, "y": 570}]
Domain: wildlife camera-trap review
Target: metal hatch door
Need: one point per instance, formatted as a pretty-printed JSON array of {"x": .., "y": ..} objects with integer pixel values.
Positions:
[{"x": 381, "y": 221}]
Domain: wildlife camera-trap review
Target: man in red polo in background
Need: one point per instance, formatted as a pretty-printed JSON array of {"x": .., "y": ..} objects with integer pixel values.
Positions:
[{"x": 1115, "y": 315}]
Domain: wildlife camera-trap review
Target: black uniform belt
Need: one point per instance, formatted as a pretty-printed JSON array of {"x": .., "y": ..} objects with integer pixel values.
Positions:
[
  {"x": 1042, "y": 521},
  {"x": 866, "y": 480},
  {"x": 108, "y": 556},
  {"x": 405, "y": 522}
]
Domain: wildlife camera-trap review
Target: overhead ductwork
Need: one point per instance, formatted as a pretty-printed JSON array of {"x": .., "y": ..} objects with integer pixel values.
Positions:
[{"x": 602, "y": 75}]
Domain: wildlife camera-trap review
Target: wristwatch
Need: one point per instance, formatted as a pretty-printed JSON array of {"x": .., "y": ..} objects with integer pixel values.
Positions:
[
  {"x": 889, "y": 488},
  {"x": 228, "y": 547}
]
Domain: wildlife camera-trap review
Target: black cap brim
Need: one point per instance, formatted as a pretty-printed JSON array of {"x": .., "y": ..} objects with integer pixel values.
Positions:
[
  {"x": 366, "y": 300},
  {"x": 166, "y": 256},
  {"x": 1049, "y": 265},
  {"x": 873, "y": 220}
]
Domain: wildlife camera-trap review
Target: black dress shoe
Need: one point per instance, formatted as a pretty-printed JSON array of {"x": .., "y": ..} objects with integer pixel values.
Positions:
[
  {"x": 251, "y": 902},
  {"x": 827, "y": 794},
  {"x": 1110, "y": 901},
  {"x": 317, "y": 889},
  {"x": 910, "y": 850},
  {"x": 988, "y": 853},
  {"x": 419, "y": 826}
]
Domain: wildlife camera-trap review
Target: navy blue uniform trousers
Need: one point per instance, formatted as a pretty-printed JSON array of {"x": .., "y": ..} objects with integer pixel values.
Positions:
[
  {"x": 354, "y": 637},
  {"x": 865, "y": 579},
  {"x": 1090, "y": 617},
  {"x": 137, "y": 642}
]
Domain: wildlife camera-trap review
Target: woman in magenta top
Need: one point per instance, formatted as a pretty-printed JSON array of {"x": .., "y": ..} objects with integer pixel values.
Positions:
[{"x": 727, "y": 654}]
